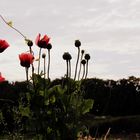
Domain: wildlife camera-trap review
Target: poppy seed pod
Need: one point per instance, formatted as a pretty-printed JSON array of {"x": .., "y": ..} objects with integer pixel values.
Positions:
[
  {"x": 29, "y": 43},
  {"x": 77, "y": 43},
  {"x": 67, "y": 56},
  {"x": 83, "y": 61},
  {"x": 43, "y": 55},
  {"x": 49, "y": 46},
  {"x": 87, "y": 56}
]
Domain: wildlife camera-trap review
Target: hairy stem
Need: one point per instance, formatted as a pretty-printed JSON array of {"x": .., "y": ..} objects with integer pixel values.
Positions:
[
  {"x": 86, "y": 69},
  {"x": 31, "y": 52},
  {"x": 77, "y": 63},
  {"x": 83, "y": 71},
  {"x": 13, "y": 27},
  {"x": 44, "y": 76},
  {"x": 80, "y": 67},
  {"x": 69, "y": 69},
  {"x": 48, "y": 63},
  {"x": 26, "y": 69},
  {"x": 39, "y": 60},
  {"x": 44, "y": 68}
]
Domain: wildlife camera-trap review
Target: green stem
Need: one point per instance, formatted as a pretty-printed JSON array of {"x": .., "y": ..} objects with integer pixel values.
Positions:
[
  {"x": 86, "y": 69},
  {"x": 80, "y": 67},
  {"x": 69, "y": 69},
  {"x": 45, "y": 68},
  {"x": 39, "y": 60},
  {"x": 77, "y": 63},
  {"x": 44, "y": 78},
  {"x": 13, "y": 27},
  {"x": 83, "y": 71},
  {"x": 48, "y": 63},
  {"x": 31, "y": 52},
  {"x": 26, "y": 69}
]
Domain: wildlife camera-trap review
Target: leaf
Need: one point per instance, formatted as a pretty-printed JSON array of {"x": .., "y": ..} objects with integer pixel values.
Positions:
[
  {"x": 86, "y": 106},
  {"x": 57, "y": 90},
  {"x": 52, "y": 99},
  {"x": 25, "y": 111}
]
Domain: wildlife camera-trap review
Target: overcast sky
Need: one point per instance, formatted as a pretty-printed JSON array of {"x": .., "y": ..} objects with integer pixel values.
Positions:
[{"x": 108, "y": 29}]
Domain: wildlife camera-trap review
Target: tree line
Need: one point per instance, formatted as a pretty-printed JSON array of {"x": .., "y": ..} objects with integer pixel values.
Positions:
[{"x": 115, "y": 98}]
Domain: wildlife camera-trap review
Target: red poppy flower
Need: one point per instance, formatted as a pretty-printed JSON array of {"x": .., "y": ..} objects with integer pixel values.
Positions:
[
  {"x": 43, "y": 42},
  {"x": 2, "y": 79},
  {"x": 3, "y": 45},
  {"x": 26, "y": 59}
]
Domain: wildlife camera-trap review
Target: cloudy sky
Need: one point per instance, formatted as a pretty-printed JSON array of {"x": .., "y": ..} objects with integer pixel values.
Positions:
[{"x": 108, "y": 29}]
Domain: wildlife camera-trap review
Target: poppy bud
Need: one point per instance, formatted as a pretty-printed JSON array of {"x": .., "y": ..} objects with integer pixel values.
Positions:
[
  {"x": 77, "y": 43},
  {"x": 82, "y": 51},
  {"x": 87, "y": 56},
  {"x": 83, "y": 61},
  {"x": 43, "y": 55},
  {"x": 29, "y": 43},
  {"x": 49, "y": 46},
  {"x": 67, "y": 56}
]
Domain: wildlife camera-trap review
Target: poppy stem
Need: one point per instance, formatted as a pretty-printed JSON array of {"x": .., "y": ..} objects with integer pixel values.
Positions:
[
  {"x": 31, "y": 52},
  {"x": 77, "y": 62},
  {"x": 48, "y": 63},
  {"x": 67, "y": 76},
  {"x": 83, "y": 71},
  {"x": 44, "y": 68},
  {"x": 86, "y": 69},
  {"x": 26, "y": 69},
  {"x": 39, "y": 60},
  {"x": 80, "y": 67},
  {"x": 69, "y": 69},
  {"x": 13, "y": 27},
  {"x": 44, "y": 76}
]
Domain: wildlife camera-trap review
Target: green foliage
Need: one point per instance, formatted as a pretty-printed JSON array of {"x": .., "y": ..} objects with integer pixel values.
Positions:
[{"x": 46, "y": 109}]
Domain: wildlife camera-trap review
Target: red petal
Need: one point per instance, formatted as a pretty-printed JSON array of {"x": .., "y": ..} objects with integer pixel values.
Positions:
[
  {"x": 37, "y": 39},
  {"x": 46, "y": 39},
  {"x": 3, "y": 45},
  {"x": 2, "y": 79}
]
